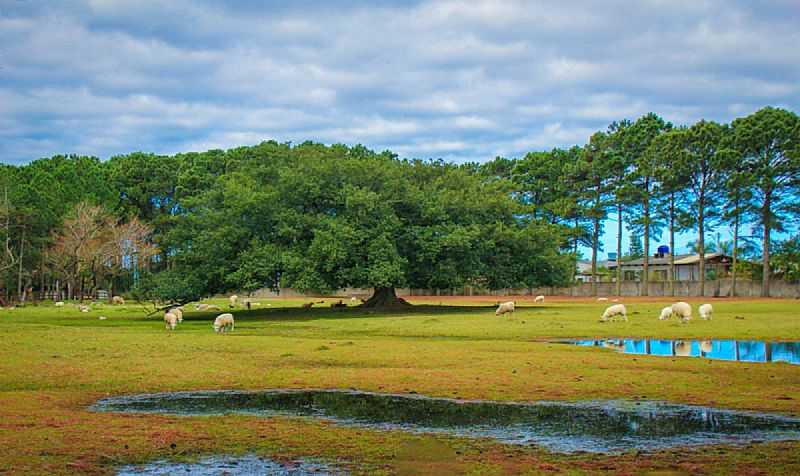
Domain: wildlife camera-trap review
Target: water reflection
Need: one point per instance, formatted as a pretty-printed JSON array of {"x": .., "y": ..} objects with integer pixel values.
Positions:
[
  {"x": 608, "y": 426},
  {"x": 742, "y": 351},
  {"x": 229, "y": 466}
]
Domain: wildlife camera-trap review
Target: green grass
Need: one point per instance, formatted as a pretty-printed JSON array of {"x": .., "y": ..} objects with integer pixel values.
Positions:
[{"x": 56, "y": 361}]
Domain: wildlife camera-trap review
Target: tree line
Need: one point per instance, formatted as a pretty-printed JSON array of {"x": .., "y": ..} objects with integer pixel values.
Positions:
[
  {"x": 660, "y": 178},
  {"x": 318, "y": 218}
]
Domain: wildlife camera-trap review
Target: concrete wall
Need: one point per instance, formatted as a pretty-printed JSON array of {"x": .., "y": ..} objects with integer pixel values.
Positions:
[{"x": 716, "y": 288}]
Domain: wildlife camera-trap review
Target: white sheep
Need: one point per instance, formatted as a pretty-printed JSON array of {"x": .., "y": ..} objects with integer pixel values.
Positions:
[
  {"x": 83, "y": 308},
  {"x": 233, "y": 299},
  {"x": 538, "y": 299},
  {"x": 504, "y": 308},
  {"x": 60, "y": 304},
  {"x": 178, "y": 313},
  {"x": 602, "y": 299},
  {"x": 170, "y": 320},
  {"x": 118, "y": 300},
  {"x": 682, "y": 310},
  {"x": 213, "y": 307},
  {"x": 353, "y": 299},
  {"x": 666, "y": 313},
  {"x": 223, "y": 322},
  {"x": 705, "y": 311},
  {"x": 102, "y": 318},
  {"x": 614, "y": 311},
  {"x": 201, "y": 307}
]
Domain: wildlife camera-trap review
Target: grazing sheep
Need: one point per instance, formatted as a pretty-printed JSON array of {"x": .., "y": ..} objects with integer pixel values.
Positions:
[
  {"x": 213, "y": 307},
  {"x": 353, "y": 299},
  {"x": 201, "y": 307},
  {"x": 60, "y": 304},
  {"x": 602, "y": 299},
  {"x": 538, "y": 299},
  {"x": 170, "y": 321},
  {"x": 83, "y": 308},
  {"x": 223, "y": 323},
  {"x": 178, "y": 313},
  {"x": 118, "y": 300},
  {"x": 505, "y": 307},
  {"x": 705, "y": 311},
  {"x": 613, "y": 311},
  {"x": 102, "y": 318},
  {"x": 666, "y": 313},
  {"x": 233, "y": 299},
  {"x": 682, "y": 310},
  {"x": 706, "y": 347}
]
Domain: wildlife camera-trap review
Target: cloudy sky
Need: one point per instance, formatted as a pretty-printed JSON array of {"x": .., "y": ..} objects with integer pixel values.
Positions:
[{"x": 431, "y": 79}]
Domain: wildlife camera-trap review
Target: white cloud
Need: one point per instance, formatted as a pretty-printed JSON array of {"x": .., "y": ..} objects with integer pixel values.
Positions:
[{"x": 458, "y": 80}]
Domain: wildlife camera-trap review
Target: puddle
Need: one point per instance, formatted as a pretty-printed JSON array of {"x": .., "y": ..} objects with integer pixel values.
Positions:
[
  {"x": 604, "y": 426},
  {"x": 734, "y": 350},
  {"x": 229, "y": 466}
]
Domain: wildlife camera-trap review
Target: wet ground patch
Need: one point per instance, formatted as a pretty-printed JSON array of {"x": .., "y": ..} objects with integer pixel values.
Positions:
[
  {"x": 603, "y": 426},
  {"x": 229, "y": 466},
  {"x": 722, "y": 349}
]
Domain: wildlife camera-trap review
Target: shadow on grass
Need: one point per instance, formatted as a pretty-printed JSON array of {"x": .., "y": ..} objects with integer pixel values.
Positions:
[{"x": 298, "y": 314}]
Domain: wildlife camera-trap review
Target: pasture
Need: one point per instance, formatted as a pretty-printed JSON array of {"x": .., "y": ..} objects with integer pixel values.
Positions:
[{"x": 55, "y": 362}]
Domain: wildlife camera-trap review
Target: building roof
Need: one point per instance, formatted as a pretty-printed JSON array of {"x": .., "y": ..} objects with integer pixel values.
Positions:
[{"x": 680, "y": 260}]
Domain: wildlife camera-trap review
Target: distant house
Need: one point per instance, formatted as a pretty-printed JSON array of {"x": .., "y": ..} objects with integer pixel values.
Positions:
[
  {"x": 584, "y": 270},
  {"x": 687, "y": 267}
]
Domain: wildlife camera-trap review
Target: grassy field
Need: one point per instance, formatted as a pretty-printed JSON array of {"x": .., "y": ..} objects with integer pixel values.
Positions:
[{"x": 56, "y": 361}]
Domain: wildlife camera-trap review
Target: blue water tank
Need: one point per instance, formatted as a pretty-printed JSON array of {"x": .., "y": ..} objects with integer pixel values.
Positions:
[{"x": 663, "y": 250}]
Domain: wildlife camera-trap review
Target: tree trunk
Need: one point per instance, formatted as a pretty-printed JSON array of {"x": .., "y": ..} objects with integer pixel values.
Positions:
[
  {"x": 645, "y": 273},
  {"x": 672, "y": 244},
  {"x": 595, "y": 245},
  {"x": 735, "y": 254},
  {"x": 385, "y": 297},
  {"x": 619, "y": 249},
  {"x": 19, "y": 270},
  {"x": 42, "y": 281},
  {"x": 701, "y": 246},
  {"x": 765, "y": 216}
]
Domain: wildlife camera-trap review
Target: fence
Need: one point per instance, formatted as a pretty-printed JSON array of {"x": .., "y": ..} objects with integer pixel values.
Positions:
[{"x": 713, "y": 288}]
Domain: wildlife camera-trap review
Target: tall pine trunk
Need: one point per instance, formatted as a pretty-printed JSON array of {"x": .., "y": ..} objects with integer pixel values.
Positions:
[
  {"x": 701, "y": 245},
  {"x": 735, "y": 253},
  {"x": 765, "y": 216},
  {"x": 645, "y": 273},
  {"x": 595, "y": 245},
  {"x": 672, "y": 244},
  {"x": 619, "y": 249}
]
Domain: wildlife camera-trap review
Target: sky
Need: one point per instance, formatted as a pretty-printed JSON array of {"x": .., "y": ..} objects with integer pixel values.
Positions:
[{"x": 460, "y": 81}]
